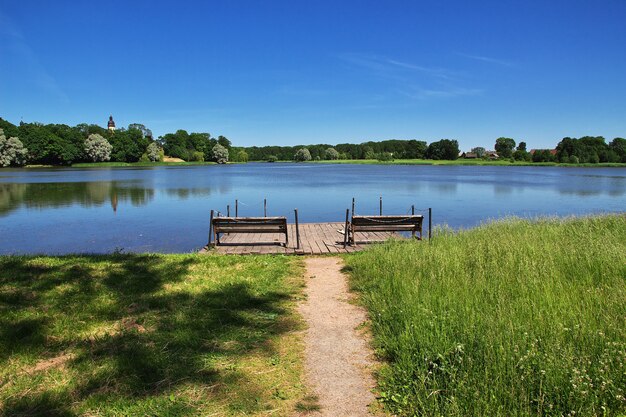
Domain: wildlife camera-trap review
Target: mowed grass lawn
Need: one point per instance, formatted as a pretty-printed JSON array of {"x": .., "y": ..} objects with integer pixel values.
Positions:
[
  {"x": 157, "y": 335},
  {"x": 514, "y": 318}
]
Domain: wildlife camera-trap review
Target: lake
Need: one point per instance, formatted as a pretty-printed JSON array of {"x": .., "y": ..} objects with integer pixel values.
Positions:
[{"x": 166, "y": 209}]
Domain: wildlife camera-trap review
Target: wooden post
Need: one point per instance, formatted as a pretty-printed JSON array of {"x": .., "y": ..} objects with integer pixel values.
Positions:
[
  {"x": 352, "y": 206},
  {"x": 236, "y": 208},
  {"x": 430, "y": 223},
  {"x": 413, "y": 210},
  {"x": 227, "y": 210},
  {"x": 297, "y": 230},
  {"x": 265, "y": 207},
  {"x": 381, "y": 205},
  {"x": 210, "y": 230},
  {"x": 345, "y": 230}
]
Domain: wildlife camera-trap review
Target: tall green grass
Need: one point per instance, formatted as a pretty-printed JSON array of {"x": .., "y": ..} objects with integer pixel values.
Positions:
[{"x": 512, "y": 318}]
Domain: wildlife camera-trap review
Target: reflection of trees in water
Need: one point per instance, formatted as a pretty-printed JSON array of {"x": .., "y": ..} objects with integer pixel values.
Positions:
[
  {"x": 86, "y": 194},
  {"x": 444, "y": 187},
  {"x": 10, "y": 196},
  {"x": 184, "y": 193}
]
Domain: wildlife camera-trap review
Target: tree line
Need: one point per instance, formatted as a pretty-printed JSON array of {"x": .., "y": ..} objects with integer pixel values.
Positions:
[{"x": 59, "y": 144}]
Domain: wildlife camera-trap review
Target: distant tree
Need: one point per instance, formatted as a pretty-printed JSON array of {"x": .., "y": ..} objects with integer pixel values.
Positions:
[
  {"x": 97, "y": 148},
  {"x": 504, "y": 147},
  {"x": 521, "y": 155},
  {"x": 198, "y": 156},
  {"x": 521, "y": 146},
  {"x": 385, "y": 156},
  {"x": 220, "y": 154},
  {"x": 479, "y": 151},
  {"x": 618, "y": 146},
  {"x": 331, "y": 154},
  {"x": 272, "y": 158},
  {"x": 145, "y": 132},
  {"x": 443, "y": 149},
  {"x": 241, "y": 156},
  {"x": 302, "y": 155},
  {"x": 222, "y": 140},
  {"x": 12, "y": 151},
  {"x": 153, "y": 152}
]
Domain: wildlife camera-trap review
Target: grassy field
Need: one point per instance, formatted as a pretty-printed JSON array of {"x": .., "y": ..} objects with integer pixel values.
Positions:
[
  {"x": 148, "y": 335},
  {"x": 464, "y": 162},
  {"x": 514, "y": 318}
]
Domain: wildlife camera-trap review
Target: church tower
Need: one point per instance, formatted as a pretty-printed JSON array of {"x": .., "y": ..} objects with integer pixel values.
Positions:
[{"x": 111, "y": 125}]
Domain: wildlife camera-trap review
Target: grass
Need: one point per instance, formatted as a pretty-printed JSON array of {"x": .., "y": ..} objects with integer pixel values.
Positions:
[
  {"x": 138, "y": 335},
  {"x": 464, "y": 162},
  {"x": 514, "y": 318}
]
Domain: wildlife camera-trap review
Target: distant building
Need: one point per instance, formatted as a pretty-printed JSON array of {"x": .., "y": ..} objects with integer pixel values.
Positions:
[
  {"x": 111, "y": 124},
  {"x": 469, "y": 155}
]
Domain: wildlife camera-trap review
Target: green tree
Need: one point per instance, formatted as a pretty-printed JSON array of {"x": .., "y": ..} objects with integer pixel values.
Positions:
[
  {"x": 331, "y": 154},
  {"x": 302, "y": 155},
  {"x": 222, "y": 140},
  {"x": 447, "y": 149},
  {"x": 618, "y": 146},
  {"x": 12, "y": 151},
  {"x": 220, "y": 154},
  {"x": 504, "y": 147},
  {"x": 153, "y": 152},
  {"x": 241, "y": 156},
  {"x": 97, "y": 148},
  {"x": 479, "y": 151},
  {"x": 521, "y": 146}
]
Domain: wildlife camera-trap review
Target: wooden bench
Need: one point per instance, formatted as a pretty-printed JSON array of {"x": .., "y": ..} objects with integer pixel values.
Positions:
[
  {"x": 409, "y": 223},
  {"x": 221, "y": 225}
]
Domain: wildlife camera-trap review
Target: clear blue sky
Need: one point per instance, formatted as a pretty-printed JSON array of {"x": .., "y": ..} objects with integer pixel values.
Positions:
[{"x": 293, "y": 72}]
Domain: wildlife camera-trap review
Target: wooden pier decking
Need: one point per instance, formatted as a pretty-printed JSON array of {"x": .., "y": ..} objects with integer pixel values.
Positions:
[{"x": 315, "y": 239}]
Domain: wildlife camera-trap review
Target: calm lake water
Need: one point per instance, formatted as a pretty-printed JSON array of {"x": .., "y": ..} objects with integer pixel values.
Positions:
[{"x": 166, "y": 209}]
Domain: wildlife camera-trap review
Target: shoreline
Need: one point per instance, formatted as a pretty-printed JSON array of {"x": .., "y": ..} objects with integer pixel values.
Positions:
[{"x": 425, "y": 162}]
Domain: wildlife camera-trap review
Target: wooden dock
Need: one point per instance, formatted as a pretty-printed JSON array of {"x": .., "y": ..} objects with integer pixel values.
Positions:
[{"x": 315, "y": 239}]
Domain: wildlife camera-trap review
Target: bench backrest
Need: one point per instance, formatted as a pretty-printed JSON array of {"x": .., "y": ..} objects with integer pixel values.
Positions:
[
  {"x": 390, "y": 221},
  {"x": 273, "y": 223}
]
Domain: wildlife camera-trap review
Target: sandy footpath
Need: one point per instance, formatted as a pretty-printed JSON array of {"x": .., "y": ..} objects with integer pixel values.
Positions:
[{"x": 338, "y": 358}]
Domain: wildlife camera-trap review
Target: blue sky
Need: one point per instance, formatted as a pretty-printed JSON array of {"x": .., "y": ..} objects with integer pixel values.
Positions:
[{"x": 293, "y": 72}]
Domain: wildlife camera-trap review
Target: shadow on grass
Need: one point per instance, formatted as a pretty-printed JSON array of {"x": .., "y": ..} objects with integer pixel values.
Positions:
[{"x": 157, "y": 339}]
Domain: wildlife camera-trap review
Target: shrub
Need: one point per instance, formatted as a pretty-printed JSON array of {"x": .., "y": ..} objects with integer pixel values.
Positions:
[
  {"x": 12, "y": 151},
  {"x": 573, "y": 159},
  {"x": 302, "y": 155},
  {"x": 384, "y": 157},
  {"x": 97, "y": 148},
  {"x": 331, "y": 154},
  {"x": 220, "y": 154},
  {"x": 153, "y": 152},
  {"x": 199, "y": 156},
  {"x": 272, "y": 158}
]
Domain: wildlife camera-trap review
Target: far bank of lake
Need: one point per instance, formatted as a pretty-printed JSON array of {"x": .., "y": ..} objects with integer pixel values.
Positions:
[{"x": 166, "y": 208}]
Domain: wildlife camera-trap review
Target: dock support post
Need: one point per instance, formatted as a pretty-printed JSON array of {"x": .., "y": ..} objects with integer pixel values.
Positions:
[
  {"x": 236, "y": 208},
  {"x": 430, "y": 223},
  {"x": 297, "y": 230},
  {"x": 413, "y": 210},
  {"x": 265, "y": 207},
  {"x": 210, "y": 230},
  {"x": 352, "y": 206},
  {"x": 345, "y": 230},
  {"x": 381, "y": 205},
  {"x": 227, "y": 210}
]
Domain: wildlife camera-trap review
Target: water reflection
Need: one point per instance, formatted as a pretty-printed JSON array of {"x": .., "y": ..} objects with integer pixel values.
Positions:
[{"x": 86, "y": 194}]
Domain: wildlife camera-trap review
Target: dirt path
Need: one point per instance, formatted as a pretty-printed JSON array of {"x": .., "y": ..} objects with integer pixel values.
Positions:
[{"x": 338, "y": 359}]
